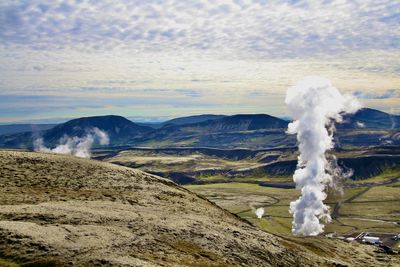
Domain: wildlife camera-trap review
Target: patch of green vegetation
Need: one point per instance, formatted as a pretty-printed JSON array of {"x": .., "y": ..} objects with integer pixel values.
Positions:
[
  {"x": 340, "y": 227},
  {"x": 275, "y": 225},
  {"x": 363, "y": 213},
  {"x": 250, "y": 179},
  {"x": 369, "y": 226},
  {"x": 380, "y": 193},
  {"x": 8, "y": 263},
  {"x": 212, "y": 177},
  {"x": 387, "y": 174},
  {"x": 396, "y": 245},
  {"x": 372, "y": 210},
  {"x": 347, "y": 193},
  {"x": 258, "y": 173},
  {"x": 157, "y": 143}
]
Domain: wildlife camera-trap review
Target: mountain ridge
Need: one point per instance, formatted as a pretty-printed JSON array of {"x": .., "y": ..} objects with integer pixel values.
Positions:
[
  {"x": 240, "y": 130},
  {"x": 370, "y": 118}
]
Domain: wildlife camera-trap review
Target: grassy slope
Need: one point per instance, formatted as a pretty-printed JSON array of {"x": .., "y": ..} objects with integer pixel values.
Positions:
[{"x": 58, "y": 209}]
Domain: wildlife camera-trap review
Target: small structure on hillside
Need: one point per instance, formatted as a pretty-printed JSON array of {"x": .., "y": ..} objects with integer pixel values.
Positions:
[{"x": 371, "y": 239}]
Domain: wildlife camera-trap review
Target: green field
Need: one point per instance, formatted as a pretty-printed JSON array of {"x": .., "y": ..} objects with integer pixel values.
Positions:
[
  {"x": 371, "y": 204},
  {"x": 374, "y": 209}
]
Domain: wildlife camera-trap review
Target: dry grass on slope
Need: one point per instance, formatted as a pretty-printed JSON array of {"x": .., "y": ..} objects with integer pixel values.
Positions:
[{"x": 57, "y": 210}]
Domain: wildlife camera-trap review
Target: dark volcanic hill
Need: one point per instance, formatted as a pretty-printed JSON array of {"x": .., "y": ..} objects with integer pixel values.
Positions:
[
  {"x": 235, "y": 123},
  {"x": 182, "y": 120},
  {"x": 192, "y": 119},
  {"x": 371, "y": 119},
  {"x": 58, "y": 210},
  {"x": 119, "y": 130},
  {"x": 241, "y": 122},
  {"x": 244, "y": 130}
]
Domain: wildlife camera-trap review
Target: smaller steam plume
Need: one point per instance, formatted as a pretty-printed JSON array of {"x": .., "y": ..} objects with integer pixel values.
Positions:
[
  {"x": 77, "y": 146},
  {"x": 259, "y": 212},
  {"x": 360, "y": 124},
  {"x": 315, "y": 105}
]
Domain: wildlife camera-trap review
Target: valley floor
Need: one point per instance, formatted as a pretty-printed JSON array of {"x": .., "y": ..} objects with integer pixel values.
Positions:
[{"x": 373, "y": 208}]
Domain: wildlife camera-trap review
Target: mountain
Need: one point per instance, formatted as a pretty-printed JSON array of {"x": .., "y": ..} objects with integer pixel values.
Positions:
[
  {"x": 371, "y": 119},
  {"x": 182, "y": 120},
  {"x": 192, "y": 119},
  {"x": 153, "y": 125},
  {"x": 241, "y": 122},
  {"x": 119, "y": 130},
  {"x": 58, "y": 210},
  {"x": 244, "y": 131},
  {"x": 20, "y": 128}
]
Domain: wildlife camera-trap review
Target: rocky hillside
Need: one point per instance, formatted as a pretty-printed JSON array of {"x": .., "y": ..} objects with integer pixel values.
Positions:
[{"x": 58, "y": 210}]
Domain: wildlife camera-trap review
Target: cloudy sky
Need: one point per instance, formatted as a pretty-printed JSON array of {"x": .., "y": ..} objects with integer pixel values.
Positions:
[{"x": 158, "y": 59}]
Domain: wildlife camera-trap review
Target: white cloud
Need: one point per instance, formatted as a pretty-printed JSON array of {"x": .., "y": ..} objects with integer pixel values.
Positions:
[{"x": 249, "y": 29}]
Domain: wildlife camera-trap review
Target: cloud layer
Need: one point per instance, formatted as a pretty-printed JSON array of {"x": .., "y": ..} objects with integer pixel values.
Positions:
[
  {"x": 247, "y": 28},
  {"x": 187, "y": 56}
]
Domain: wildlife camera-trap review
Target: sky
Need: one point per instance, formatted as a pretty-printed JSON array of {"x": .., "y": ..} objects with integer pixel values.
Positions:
[{"x": 151, "y": 60}]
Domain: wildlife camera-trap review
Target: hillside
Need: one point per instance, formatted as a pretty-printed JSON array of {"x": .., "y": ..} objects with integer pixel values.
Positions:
[
  {"x": 192, "y": 119},
  {"x": 241, "y": 122},
  {"x": 119, "y": 130},
  {"x": 57, "y": 210},
  {"x": 181, "y": 120},
  {"x": 370, "y": 118},
  {"x": 244, "y": 130}
]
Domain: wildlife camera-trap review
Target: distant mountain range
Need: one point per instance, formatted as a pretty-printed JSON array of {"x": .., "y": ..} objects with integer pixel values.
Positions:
[
  {"x": 243, "y": 130},
  {"x": 20, "y": 128}
]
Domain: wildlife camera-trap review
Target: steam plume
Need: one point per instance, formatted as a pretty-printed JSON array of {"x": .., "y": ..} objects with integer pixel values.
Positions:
[
  {"x": 259, "y": 212},
  {"x": 314, "y": 104},
  {"x": 77, "y": 146}
]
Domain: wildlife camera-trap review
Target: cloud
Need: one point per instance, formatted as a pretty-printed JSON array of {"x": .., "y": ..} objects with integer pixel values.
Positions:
[
  {"x": 380, "y": 95},
  {"x": 40, "y": 106},
  {"x": 189, "y": 92},
  {"x": 247, "y": 28}
]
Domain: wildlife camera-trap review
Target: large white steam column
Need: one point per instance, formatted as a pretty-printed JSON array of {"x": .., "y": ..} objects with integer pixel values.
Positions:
[{"x": 314, "y": 104}]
